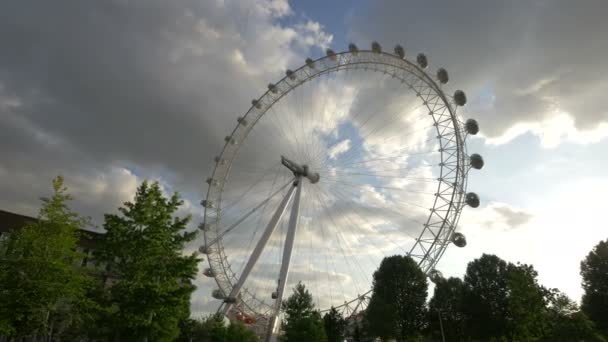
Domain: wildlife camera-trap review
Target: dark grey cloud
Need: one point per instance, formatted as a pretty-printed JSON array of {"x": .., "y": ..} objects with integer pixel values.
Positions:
[
  {"x": 151, "y": 86},
  {"x": 108, "y": 93},
  {"x": 518, "y": 61}
]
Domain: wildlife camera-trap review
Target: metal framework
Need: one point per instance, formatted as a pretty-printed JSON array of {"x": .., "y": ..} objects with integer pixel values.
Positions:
[{"x": 438, "y": 230}]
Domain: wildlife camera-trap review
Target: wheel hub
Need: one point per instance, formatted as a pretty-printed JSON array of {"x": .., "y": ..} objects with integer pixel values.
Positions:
[{"x": 300, "y": 170}]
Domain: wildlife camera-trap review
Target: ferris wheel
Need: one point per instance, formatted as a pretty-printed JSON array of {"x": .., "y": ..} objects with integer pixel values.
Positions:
[{"x": 347, "y": 159}]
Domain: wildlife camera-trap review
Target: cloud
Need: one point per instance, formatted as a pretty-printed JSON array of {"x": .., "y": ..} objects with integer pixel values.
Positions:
[
  {"x": 136, "y": 84},
  {"x": 521, "y": 65},
  {"x": 109, "y": 94},
  {"x": 500, "y": 216},
  {"x": 339, "y": 148}
]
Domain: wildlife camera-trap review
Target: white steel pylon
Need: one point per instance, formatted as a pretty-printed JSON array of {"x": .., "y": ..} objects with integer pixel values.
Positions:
[{"x": 300, "y": 172}]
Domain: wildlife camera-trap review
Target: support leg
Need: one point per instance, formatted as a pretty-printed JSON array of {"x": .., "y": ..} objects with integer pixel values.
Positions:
[
  {"x": 288, "y": 248},
  {"x": 258, "y": 249}
]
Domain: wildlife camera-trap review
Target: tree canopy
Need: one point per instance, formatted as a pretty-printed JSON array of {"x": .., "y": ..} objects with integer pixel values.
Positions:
[
  {"x": 594, "y": 270},
  {"x": 150, "y": 277},
  {"x": 42, "y": 286},
  {"x": 397, "y": 305},
  {"x": 302, "y": 322},
  {"x": 447, "y": 305},
  {"x": 213, "y": 329},
  {"x": 335, "y": 325}
]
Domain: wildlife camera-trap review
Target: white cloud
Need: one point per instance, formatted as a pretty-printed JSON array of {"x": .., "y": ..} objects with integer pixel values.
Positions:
[
  {"x": 339, "y": 148},
  {"x": 554, "y": 234}
]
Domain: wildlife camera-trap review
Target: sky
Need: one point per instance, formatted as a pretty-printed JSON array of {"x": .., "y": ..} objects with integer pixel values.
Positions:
[{"x": 111, "y": 93}]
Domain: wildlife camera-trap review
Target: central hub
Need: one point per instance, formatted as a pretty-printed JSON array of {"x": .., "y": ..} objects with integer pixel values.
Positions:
[{"x": 300, "y": 170}]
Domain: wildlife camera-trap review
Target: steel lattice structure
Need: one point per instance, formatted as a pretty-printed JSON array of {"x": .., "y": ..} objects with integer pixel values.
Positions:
[{"x": 439, "y": 229}]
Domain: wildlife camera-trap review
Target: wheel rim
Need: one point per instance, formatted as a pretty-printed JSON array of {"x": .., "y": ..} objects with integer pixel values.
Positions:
[{"x": 435, "y": 232}]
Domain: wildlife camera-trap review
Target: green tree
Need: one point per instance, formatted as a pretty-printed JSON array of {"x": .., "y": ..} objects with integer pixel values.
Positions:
[
  {"x": 42, "y": 288},
  {"x": 486, "y": 297},
  {"x": 357, "y": 333},
  {"x": 150, "y": 277},
  {"x": 594, "y": 270},
  {"x": 237, "y": 332},
  {"x": 447, "y": 304},
  {"x": 503, "y": 300},
  {"x": 335, "y": 325},
  {"x": 565, "y": 322},
  {"x": 526, "y": 303},
  {"x": 213, "y": 329},
  {"x": 397, "y": 306},
  {"x": 302, "y": 322}
]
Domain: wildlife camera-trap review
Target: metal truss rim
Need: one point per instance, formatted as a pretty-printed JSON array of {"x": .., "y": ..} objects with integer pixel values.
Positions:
[{"x": 450, "y": 132}]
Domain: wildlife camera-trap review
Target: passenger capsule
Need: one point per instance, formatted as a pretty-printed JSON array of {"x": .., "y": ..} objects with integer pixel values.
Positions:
[
  {"x": 207, "y": 204},
  {"x": 435, "y": 276},
  {"x": 471, "y": 126},
  {"x": 442, "y": 76},
  {"x": 459, "y": 240},
  {"x": 274, "y": 295},
  {"x": 208, "y": 273},
  {"x": 202, "y": 226},
  {"x": 256, "y": 104},
  {"x": 230, "y": 140},
  {"x": 422, "y": 60},
  {"x": 399, "y": 51},
  {"x": 476, "y": 161},
  {"x": 376, "y": 47},
  {"x": 331, "y": 54},
  {"x": 472, "y": 200},
  {"x": 219, "y": 160},
  {"x": 217, "y": 294},
  {"x": 460, "y": 98},
  {"x": 310, "y": 63},
  {"x": 230, "y": 300},
  {"x": 241, "y": 121},
  {"x": 273, "y": 88},
  {"x": 353, "y": 48},
  {"x": 290, "y": 74},
  {"x": 203, "y": 250}
]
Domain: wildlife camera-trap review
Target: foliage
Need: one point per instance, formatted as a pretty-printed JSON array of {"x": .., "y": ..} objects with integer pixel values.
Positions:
[
  {"x": 526, "y": 303},
  {"x": 565, "y": 322},
  {"x": 213, "y": 329},
  {"x": 594, "y": 270},
  {"x": 448, "y": 304},
  {"x": 302, "y": 322},
  {"x": 237, "y": 332},
  {"x": 503, "y": 300},
  {"x": 335, "y": 325},
  {"x": 486, "y": 296},
  {"x": 150, "y": 278},
  {"x": 397, "y": 306},
  {"x": 43, "y": 289}
]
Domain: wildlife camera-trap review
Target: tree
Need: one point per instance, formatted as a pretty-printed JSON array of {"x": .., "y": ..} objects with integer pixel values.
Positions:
[
  {"x": 150, "y": 277},
  {"x": 43, "y": 289},
  {"x": 503, "y": 300},
  {"x": 594, "y": 270},
  {"x": 335, "y": 325},
  {"x": 447, "y": 304},
  {"x": 526, "y": 303},
  {"x": 565, "y": 322},
  {"x": 397, "y": 306},
  {"x": 302, "y": 322},
  {"x": 213, "y": 329},
  {"x": 237, "y": 332},
  {"x": 486, "y": 297}
]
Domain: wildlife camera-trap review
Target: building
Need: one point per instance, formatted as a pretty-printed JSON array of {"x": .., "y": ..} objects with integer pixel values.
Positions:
[{"x": 88, "y": 239}]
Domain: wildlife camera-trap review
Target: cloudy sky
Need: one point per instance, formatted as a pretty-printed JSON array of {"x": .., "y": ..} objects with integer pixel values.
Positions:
[{"x": 109, "y": 93}]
